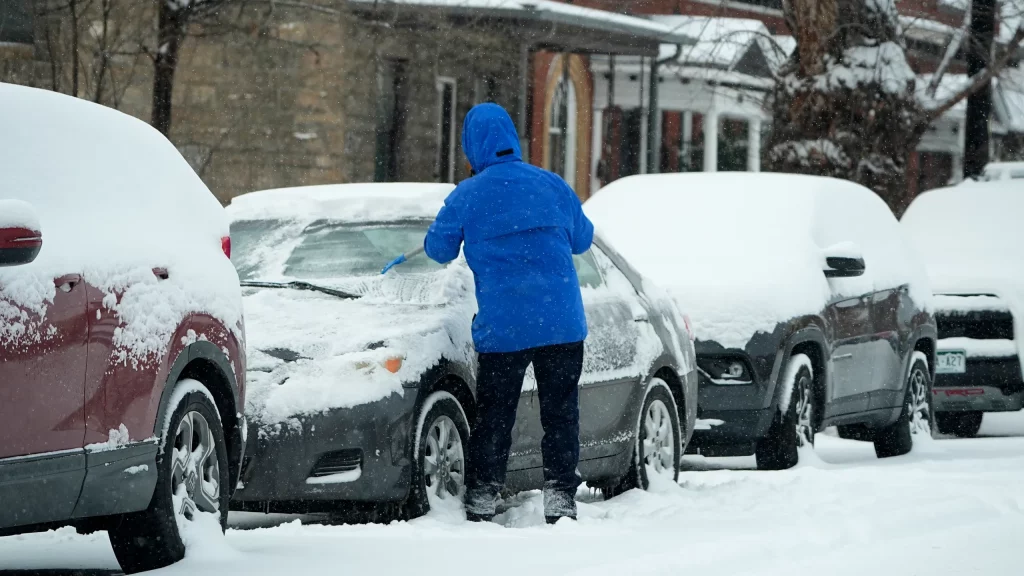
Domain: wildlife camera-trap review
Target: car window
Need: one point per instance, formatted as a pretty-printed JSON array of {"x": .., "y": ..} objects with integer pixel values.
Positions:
[{"x": 586, "y": 270}]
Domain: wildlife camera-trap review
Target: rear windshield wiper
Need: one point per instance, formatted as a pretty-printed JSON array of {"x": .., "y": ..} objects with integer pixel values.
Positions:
[{"x": 299, "y": 285}]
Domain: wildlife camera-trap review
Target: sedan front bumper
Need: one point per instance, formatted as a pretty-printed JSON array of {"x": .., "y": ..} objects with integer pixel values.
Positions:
[{"x": 358, "y": 454}]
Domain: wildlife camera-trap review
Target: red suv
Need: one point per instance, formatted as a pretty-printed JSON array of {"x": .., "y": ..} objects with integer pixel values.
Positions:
[{"x": 121, "y": 335}]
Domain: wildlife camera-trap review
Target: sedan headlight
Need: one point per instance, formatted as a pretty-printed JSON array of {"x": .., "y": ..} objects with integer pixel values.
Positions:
[{"x": 726, "y": 370}]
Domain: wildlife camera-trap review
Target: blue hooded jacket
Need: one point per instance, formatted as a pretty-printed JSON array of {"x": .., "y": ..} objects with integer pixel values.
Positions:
[{"x": 521, "y": 225}]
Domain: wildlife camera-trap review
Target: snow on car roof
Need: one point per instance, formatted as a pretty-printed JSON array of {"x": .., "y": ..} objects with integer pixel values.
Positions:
[
  {"x": 365, "y": 202},
  {"x": 742, "y": 252}
]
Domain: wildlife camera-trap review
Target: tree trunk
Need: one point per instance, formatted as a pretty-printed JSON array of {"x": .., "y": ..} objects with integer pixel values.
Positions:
[
  {"x": 979, "y": 104},
  {"x": 171, "y": 28}
]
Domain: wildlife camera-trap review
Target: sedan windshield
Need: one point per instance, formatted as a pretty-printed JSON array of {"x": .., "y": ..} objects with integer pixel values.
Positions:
[{"x": 273, "y": 250}]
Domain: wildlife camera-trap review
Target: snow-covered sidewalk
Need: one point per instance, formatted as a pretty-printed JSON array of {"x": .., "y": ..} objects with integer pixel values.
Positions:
[{"x": 952, "y": 507}]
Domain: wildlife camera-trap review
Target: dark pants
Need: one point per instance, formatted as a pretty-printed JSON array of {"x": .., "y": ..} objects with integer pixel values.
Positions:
[{"x": 499, "y": 385}]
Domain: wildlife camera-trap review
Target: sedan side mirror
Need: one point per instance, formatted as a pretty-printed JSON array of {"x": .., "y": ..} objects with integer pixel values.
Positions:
[
  {"x": 20, "y": 239},
  {"x": 843, "y": 260}
]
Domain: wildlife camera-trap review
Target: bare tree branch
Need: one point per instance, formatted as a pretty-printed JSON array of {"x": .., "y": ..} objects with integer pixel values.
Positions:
[{"x": 982, "y": 80}]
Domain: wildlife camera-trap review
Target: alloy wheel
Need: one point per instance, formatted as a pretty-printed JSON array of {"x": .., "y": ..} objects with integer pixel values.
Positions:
[
  {"x": 920, "y": 412},
  {"x": 444, "y": 461},
  {"x": 804, "y": 420},
  {"x": 659, "y": 442},
  {"x": 195, "y": 469}
]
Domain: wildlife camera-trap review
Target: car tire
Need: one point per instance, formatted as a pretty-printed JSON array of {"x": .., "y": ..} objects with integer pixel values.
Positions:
[
  {"x": 658, "y": 441},
  {"x": 792, "y": 429},
  {"x": 192, "y": 476},
  {"x": 897, "y": 439},
  {"x": 959, "y": 424},
  {"x": 440, "y": 451}
]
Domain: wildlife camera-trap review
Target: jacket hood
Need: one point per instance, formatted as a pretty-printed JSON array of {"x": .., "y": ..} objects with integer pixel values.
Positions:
[{"x": 489, "y": 137}]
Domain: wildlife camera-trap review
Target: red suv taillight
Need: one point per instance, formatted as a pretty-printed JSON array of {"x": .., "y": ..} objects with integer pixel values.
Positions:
[{"x": 225, "y": 245}]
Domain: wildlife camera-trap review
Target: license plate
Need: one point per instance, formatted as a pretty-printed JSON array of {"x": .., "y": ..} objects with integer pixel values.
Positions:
[{"x": 951, "y": 362}]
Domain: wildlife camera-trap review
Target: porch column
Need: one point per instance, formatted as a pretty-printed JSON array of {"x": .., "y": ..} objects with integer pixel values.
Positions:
[
  {"x": 711, "y": 141},
  {"x": 754, "y": 145}
]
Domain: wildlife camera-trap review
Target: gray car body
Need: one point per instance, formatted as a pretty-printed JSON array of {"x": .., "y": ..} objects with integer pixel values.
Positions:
[{"x": 274, "y": 475}]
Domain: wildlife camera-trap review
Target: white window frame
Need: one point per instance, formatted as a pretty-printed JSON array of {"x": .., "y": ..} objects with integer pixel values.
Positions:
[
  {"x": 446, "y": 173},
  {"x": 570, "y": 137}
]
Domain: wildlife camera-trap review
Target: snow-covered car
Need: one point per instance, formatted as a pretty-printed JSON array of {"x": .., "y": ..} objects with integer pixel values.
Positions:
[
  {"x": 361, "y": 385},
  {"x": 971, "y": 239},
  {"x": 808, "y": 306},
  {"x": 999, "y": 171},
  {"x": 121, "y": 337}
]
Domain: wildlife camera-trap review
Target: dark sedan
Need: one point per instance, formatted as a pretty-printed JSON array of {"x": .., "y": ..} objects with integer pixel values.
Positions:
[{"x": 362, "y": 386}]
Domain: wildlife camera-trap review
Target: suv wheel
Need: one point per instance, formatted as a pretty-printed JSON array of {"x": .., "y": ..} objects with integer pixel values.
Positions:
[
  {"x": 794, "y": 428},
  {"x": 439, "y": 466},
  {"x": 959, "y": 424},
  {"x": 657, "y": 442},
  {"x": 916, "y": 419},
  {"x": 192, "y": 479}
]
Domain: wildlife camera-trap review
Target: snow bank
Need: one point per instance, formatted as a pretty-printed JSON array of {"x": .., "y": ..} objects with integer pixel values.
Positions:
[
  {"x": 742, "y": 252},
  {"x": 18, "y": 214},
  {"x": 971, "y": 240},
  {"x": 118, "y": 201}
]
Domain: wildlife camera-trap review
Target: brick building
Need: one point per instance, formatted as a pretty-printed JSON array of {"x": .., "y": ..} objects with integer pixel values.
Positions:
[
  {"x": 359, "y": 90},
  {"x": 349, "y": 91}
]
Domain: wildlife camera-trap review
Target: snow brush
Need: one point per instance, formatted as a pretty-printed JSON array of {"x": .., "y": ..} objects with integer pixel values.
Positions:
[{"x": 401, "y": 259}]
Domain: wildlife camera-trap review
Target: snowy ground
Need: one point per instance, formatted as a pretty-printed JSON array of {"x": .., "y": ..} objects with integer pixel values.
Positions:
[{"x": 952, "y": 507}]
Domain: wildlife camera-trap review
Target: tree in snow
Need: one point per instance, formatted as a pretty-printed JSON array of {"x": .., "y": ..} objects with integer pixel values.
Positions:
[{"x": 846, "y": 103}]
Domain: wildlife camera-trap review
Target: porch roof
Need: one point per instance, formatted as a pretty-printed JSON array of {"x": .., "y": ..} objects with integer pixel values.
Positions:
[{"x": 549, "y": 24}]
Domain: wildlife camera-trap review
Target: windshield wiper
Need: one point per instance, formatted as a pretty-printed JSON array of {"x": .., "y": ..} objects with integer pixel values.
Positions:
[{"x": 299, "y": 285}]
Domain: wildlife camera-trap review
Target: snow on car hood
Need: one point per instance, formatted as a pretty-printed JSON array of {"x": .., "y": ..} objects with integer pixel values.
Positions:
[
  {"x": 310, "y": 352},
  {"x": 743, "y": 252}
]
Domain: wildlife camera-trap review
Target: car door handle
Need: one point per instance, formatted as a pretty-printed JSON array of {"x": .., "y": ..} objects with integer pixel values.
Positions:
[
  {"x": 843, "y": 357},
  {"x": 67, "y": 282},
  {"x": 641, "y": 318}
]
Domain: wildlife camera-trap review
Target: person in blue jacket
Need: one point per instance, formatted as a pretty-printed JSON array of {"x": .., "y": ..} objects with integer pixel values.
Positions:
[{"x": 520, "y": 226}]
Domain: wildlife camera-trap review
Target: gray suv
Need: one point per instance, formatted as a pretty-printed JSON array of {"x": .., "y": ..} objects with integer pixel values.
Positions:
[{"x": 808, "y": 306}]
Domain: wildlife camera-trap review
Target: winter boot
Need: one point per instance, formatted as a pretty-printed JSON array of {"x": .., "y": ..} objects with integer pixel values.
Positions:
[
  {"x": 481, "y": 503},
  {"x": 558, "y": 504}
]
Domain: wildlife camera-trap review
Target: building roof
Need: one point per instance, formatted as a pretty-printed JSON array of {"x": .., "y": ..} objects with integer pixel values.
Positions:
[
  {"x": 619, "y": 32},
  {"x": 719, "y": 42}
]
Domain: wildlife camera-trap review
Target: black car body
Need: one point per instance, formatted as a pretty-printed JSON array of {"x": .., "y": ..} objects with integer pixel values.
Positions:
[
  {"x": 337, "y": 419},
  {"x": 808, "y": 307}
]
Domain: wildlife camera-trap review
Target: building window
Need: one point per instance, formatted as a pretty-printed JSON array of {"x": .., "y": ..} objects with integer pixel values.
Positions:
[
  {"x": 691, "y": 154},
  {"x": 562, "y": 131},
  {"x": 485, "y": 89},
  {"x": 16, "y": 21},
  {"x": 629, "y": 145},
  {"x": 390, "y": 118},
  {"x": 733, "y": 143},
  {"x": 446, "y": 99}
]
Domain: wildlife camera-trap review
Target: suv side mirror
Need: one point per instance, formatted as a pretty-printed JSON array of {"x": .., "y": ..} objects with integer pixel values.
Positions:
[
  {"x": 20, "y": 239},
  {"x": 843, "y": 260}
]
